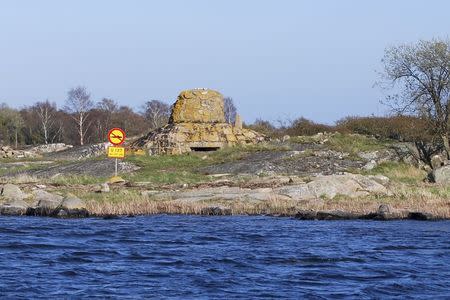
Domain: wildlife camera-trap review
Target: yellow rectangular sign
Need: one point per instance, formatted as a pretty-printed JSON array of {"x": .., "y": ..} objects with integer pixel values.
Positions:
[{"x": 116, "y": 152}]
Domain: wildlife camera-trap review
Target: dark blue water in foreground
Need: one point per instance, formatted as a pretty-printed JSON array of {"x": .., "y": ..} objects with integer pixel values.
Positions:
[{"x": 223, "y": 257}]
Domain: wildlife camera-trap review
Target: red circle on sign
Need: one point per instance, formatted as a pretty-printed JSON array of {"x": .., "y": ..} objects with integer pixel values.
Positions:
[{"x": 116, "y": 136}]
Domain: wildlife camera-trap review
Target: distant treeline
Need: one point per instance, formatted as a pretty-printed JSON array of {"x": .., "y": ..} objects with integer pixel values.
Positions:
[
  {"x": 82, "y": 121},
  {"x": 402, "y": 128},
  {"x": 79, "y": 121}
]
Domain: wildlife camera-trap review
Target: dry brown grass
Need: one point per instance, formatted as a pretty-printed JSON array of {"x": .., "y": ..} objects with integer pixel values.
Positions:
[{"x": 142, "y": 205}]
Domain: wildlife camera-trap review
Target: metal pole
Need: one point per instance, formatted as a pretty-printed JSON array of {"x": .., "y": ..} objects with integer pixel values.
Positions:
[{"x": 115, "y": 169}]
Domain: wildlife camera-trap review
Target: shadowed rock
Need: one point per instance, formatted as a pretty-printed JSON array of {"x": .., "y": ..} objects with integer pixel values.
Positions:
[
  {"x": 421, "y": 216},
  {"x": 14, "y": 208},
  {"x": 216, "y": 211}
]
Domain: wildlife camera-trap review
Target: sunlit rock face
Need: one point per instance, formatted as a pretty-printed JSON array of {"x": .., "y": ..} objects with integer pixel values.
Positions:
[
  {"x": 197, "y": 123},
  {"x": 198, "y": 106}
]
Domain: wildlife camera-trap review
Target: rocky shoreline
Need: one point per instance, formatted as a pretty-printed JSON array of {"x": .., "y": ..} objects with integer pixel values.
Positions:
[
  {"x": 44, "y": 204},
  {"x": 384, "y": 213},
  {"x": 309, "y": 215},
  {"x": 47, "y": 204}
]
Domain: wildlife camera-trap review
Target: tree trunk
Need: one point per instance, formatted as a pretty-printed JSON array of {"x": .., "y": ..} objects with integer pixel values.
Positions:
[
  {"x": 16, "y": 138},
  {"x": 81, "y": 130},
  {"x": 45, "y": 135},
  {"x": 446, "y": 144}
]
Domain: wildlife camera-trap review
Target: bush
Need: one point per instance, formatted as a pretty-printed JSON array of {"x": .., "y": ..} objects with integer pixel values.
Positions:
[
  {"x": 402, "y": 128},
  {"x": 264, "y": 127},
  {"x": 304, "y": 126}
]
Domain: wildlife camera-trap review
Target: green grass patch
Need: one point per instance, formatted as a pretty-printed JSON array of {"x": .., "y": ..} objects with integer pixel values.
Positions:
[
  {"x": 440, "y": 191},
  {"x": 167, "y": 169},
  {"x": 75, "y": 179},
  {"x": 399, "y": 172},
  {"x": 116, "y": 196},
  {"x": 356, "y": 143},
  {"x": 11, "y": 168},
  {"x": 304, "y": 139},
  {"x": 238, "y": 152}
]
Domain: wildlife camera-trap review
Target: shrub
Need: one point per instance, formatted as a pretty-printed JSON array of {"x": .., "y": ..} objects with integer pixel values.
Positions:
[
  {"x": 402, "y": 128},
  {"x": 303, "y": 126},
  {"x": 264, "y": 127}
]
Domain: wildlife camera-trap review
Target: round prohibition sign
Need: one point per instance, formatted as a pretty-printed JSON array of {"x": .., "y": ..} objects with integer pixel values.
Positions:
[{"x": 116, "y": 136}]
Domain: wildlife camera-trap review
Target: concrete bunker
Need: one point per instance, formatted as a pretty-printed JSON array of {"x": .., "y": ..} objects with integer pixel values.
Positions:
[{"x": 197, "y": 124}]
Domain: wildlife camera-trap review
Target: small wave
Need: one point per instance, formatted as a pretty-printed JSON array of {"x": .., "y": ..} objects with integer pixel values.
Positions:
[
  {"x": 320, "y": 259},
  {"x": 397, "y": 247},
  {"x": 69, "y": 273},
  {"x": 209, "y": 238},
  {"x": 74, "y": 259},
  {"x": 13, "y": 231}
]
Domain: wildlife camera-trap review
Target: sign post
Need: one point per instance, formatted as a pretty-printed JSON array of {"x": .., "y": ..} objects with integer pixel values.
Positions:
[{"x": 116, "y": 136}]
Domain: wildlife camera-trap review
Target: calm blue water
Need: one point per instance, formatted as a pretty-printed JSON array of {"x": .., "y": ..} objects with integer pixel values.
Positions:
[{"x": 223, "y": 257}]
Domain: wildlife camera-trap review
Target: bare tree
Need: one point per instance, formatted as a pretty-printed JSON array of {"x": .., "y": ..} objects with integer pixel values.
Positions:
[
  {"x": 78, "y": 104},
  {"x": 156, "y": 113},
  {"x": 103, "y": 116},
  {"x": 46, "y": 113},
  {"x": 230, "y": 110},
  {"x": 421, "y": 73},
  {"x": 108, "y": 105}
]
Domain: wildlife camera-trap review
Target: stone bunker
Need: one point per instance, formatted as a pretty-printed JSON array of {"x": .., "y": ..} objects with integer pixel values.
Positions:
[{"x": 197, "y": 123}]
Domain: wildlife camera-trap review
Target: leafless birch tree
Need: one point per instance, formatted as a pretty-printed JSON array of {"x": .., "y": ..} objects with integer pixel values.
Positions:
[
  {"x": 230, "y": 110},
  {"x": 46, "y": 113},
  {"x": 78, "y": 104},
  {"x": 156, "y": 113}
]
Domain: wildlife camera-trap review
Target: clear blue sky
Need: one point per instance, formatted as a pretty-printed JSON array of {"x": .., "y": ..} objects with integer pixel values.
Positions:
[{"x": 276, "y": 59}]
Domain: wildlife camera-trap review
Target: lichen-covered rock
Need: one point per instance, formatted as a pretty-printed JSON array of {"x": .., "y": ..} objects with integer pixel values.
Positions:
[
  {"x": 72, "y": 207},
  {"x": 12, "y": 192},
  {"x": 197, "y": 123},
  {"x": 187, "y": 137},
  {"x": 350, "y": 185},
  {"x": 8, "y": 152},
  {"x": 49, "y": 148},
  {"x": 102, "y": 188},
  {"x": 437, "y": 161},
  {"x": 238, "y": 122},
  {"x": 198, "y": 106},
  {"x": 441, "y": 175},
  {"x": 72, "y": 202},
  {"x": 53, "y": 205},
  {"x": 47, "y": 200}
]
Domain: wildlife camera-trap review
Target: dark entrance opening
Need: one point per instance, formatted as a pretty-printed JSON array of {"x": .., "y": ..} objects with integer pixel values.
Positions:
[{"x": 204, "y": 149}]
